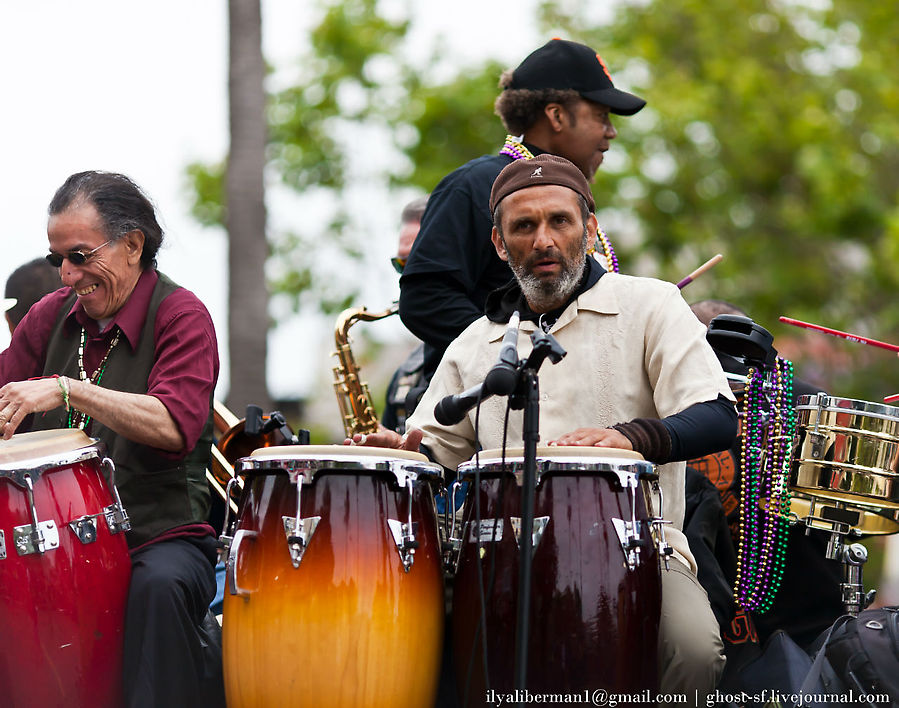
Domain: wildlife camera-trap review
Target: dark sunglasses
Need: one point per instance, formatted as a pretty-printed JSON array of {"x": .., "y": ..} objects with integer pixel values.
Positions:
[
  {"x": 75, "y": 257},
  {"x": 398, "y": 264}
]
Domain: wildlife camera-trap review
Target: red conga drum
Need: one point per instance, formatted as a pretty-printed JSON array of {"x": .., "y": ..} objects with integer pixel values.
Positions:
[
  {"x": 64, "y": 574},
  {"x": 340, "y": 604},
  {"x": 595, "y": 584}
]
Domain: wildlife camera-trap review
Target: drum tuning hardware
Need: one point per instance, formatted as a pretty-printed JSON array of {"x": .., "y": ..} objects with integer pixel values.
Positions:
[
  {"x": 658, "y": 523},
  {"x": 539, "y": 527},
  {"x": 404, "y": 537},
  {"x": 116, "y": 515},
  {"x": 38, "y": 536},
  {"x": 297, "y": 529},
  {"x": 629, "y": 531},
  {"x": 453, "y": 546},
  {"x": 85, "y": 528},
  {"x": 630, "y": 540},
  {"x": 227, "y": 536},
  {"x": 2, "y": 545},
  {"x": 404, "y": 533},
  {"x": 298, "y": 532}
]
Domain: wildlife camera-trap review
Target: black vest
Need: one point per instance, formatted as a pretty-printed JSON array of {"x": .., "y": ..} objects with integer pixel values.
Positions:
[{"x": 159, "y": 493}]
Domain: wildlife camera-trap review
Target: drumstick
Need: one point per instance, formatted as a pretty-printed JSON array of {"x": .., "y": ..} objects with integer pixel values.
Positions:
[
  {"x": 713, "y": 261},
  {"x": 844, "y": 335}
]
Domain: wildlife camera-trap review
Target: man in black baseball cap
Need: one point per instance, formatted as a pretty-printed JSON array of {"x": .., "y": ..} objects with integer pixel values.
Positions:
[
  {"x": 560, "y": 64},
  {"x": 557, "y": 101}
]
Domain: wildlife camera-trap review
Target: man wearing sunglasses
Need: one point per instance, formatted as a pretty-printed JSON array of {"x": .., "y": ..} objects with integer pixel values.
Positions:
[
  {"x": 405, "y": 387},
  {"x": 130, "y": 358}
]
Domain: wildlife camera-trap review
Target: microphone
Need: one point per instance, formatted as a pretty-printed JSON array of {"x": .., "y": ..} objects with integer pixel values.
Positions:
[
  {"x": 503, "y": 377},
  {"x": 500, "y": 380},
  {"x": 452, "y": 409}
]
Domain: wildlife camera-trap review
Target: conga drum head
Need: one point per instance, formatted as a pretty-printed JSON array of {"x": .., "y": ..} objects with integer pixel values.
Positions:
[
  {"x": 332, "y": 452},
  {"x": 560, "y": 451},
  {"x": 847, "y": 451},
  {"x": 24, "y": 447}
]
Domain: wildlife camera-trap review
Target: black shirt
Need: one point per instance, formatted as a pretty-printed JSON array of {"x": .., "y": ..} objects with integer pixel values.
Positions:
[{"x": 453, "y": 264}]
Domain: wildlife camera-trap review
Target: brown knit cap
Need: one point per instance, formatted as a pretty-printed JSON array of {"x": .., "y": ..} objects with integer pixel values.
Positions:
[{"x": 536, "y": 172}]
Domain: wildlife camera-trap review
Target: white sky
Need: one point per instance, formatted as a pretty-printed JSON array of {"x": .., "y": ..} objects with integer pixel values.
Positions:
[{"x": 140, "y": 88}]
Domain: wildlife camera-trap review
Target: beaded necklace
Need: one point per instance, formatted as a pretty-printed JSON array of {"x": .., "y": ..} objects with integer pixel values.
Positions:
[
  {"x": 768, "y": 427},
  {"x": 514, "y": 148},
  {"x": 76, "y": 418}
]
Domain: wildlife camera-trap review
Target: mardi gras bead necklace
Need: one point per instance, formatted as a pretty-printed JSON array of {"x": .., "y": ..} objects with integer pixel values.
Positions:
[
  {"x": 514, "y": 148},
  {"x": 76, "y": 418},
  {"x": 768, "y": 427}
]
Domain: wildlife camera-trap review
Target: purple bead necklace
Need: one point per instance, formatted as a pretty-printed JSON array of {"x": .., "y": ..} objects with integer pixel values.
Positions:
[{"x": 768, "y": 426}]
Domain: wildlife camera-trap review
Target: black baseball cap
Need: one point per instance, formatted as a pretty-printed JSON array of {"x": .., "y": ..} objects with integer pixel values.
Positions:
[{"x": 561, "y": 64}]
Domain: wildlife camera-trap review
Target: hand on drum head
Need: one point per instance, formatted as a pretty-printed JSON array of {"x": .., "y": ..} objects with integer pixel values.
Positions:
[
  {"x": 597, "y": 437},
  {"x": 388, "y": 438},
  {"x": 19, "y": 398}
]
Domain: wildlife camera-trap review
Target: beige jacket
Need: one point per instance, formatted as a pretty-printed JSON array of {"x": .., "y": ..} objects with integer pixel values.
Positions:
[{"x": 634, "y": 350}]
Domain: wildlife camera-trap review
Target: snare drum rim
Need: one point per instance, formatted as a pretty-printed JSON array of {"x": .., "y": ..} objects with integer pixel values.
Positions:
[{"x": 823, "y": 402}]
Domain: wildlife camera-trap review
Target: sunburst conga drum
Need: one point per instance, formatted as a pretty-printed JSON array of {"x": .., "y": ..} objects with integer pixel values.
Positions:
[
  {"x": 64, "y": 574},
  {"x": 334, "y": 593},
  {"x": 847, "y": 451},
  {"x": 595, "y": 584}
]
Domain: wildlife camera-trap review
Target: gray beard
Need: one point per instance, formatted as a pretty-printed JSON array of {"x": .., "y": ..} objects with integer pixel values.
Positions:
[{"x": 546, "y": 295}]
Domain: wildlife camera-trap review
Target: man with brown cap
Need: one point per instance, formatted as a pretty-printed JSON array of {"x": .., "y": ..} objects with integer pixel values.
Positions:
[
  {"x": 559, "y": 101},
  {"x": 638, "y": 375}
]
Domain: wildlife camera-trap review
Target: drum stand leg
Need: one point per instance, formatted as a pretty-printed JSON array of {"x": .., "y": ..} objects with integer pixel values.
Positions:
[{"x": 855, "y": 600}]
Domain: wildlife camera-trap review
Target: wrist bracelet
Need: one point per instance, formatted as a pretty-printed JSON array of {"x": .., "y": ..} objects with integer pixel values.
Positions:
[{"x": 63, "y": 384}]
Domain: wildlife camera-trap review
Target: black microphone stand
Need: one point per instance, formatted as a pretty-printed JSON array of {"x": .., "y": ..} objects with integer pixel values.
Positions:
[{"x": 527, "y": 396}]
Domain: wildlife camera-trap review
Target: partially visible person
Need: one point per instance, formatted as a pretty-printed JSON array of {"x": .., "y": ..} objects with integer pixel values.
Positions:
[
  {"x": 131, "y": 358},
  {"x": 638, "y": 375},
  {"x": 559, "y": 100},
  {"x": 405, "y": 387},
  {"x": 26, "y": 285},
  {"x": 809, "y": 598}
]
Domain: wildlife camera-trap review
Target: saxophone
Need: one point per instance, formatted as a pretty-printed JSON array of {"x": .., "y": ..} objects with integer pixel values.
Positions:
[{"x": 355, "y": 403}]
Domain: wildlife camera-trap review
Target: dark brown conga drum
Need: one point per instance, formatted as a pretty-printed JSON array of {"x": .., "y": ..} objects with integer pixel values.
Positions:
[{"x": 595, "y": 586}]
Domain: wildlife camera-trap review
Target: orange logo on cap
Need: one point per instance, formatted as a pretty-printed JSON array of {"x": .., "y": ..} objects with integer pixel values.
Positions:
[{"x": 605, "y": 69}]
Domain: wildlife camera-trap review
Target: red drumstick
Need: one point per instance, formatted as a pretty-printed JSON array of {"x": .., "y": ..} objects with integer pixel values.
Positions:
[
  {"x": 844, "y": 335},
  {"x": 714, "y": 260}
]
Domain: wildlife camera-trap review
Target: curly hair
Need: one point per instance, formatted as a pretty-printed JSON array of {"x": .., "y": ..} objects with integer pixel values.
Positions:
[{"x": 519, "y": 109}]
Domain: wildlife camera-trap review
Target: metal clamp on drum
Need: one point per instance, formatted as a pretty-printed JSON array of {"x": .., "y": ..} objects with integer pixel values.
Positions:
[{"x": 116, "y": 515}]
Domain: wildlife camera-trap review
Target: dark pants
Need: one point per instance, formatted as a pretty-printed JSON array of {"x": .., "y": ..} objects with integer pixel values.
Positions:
[{"x": 169, "y": 660}]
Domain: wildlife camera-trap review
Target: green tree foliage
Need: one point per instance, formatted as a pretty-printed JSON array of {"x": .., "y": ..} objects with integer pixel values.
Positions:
[
  {"x": 336, "y": 99},
  {"x": 771, "y": 136}
]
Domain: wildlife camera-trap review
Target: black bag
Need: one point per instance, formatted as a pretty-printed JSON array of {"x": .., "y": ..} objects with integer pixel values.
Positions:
[{"x": 862, "y": 655}]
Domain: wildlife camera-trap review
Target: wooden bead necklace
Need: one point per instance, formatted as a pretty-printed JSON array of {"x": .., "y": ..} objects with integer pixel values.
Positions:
[{"x": 76, "y": 418}]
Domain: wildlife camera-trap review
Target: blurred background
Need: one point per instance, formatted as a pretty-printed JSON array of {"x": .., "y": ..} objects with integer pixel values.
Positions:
[{"x": 771, "y": 136}]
